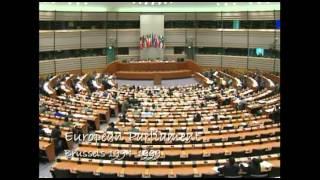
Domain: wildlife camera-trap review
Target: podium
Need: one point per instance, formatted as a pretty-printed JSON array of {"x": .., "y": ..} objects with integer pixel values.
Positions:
[{"x": 157, "y": 80}]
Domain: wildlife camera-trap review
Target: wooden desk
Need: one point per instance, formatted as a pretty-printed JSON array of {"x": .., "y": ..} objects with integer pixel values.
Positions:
[
  {"x": 252, "y": 82},
  {"x": 235, "y": 81},
  {"x": 67, "y": 85},
  {"x": 50, "y": 85},
  {"x": 148, "y": 70},
  {"x": 48, "y": 147},
  {"x": 202, "y": 79},
  {"x": 202, "y": 167},
  {"x": 173, "y": 74}
]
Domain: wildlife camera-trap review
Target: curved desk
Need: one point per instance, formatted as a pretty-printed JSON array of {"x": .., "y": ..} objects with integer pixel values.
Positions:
[
  {"x": 50, "y": 85},
  {"x": 173, "y": 74},
  {"x": 153, "y": 70}
]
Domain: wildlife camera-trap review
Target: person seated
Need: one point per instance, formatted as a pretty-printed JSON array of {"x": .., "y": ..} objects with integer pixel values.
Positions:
[
  {"x": 42, "y": 108},
  {"x": 123, "y": 118},
  {"x": 197, "y": 117},
  {"x": 149, "y": 93},
  {"x": 275, "y": 115},
  {"x": 105, "y": 94},
  {"x": 136, "y": 112},
  {"x": 124, "y": 106},
  {"x": 253, "y": 167},
  {"x": 216, "y": 117},
  {"x": 203, "y": 104},
  {"x": 70, "y": 115},
  {"x": 153, "y": 107},
  {"x": 66, "y": 122},
  {"x": 230, "y": 169},
  {"x": 57, "y": 113},
  {"x": 133, "y": 128},
  {"x": 86, "y": 109},
  {"x": 241, "y": 105},
  {"x": 42, "y": 132},
  {"x": 112, "y": 128}
]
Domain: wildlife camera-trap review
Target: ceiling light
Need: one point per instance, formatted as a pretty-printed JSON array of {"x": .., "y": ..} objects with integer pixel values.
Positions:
[
  {"x": 85, "y": 3},
  {"x": 218, "y": 4},
  {"x": 258, "y": 2},
  {"x": 69, "y": 3},
  {"x": 159, "y": 3},
  {"x": 165, "y": 3},
  {"x": 267, "y": 2},
  {"x": 140, "y": 2},
  {"x": 171, "y": 2},
  {"x": 152, "y": 3},
  {"x": 234, "y": 3},
  {"x": 146, "y": 3},
  {"x": 78, "y": 3},
  {"x": 53, "y": 2},
  {"x": 226, "y": 4},
  {"x": 133, "y": 2},
  {"x": 250, "y": 3}
]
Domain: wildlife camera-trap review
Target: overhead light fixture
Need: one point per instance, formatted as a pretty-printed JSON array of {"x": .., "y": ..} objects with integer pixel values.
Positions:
[
  {"x": 140, "y": 2},
  {"x": 110, "y": 47},
  {"x": 267, "y": 2},
  {"x": 133, "y": 2},
  {"x": 152, "y": 3},
  {"x": 171, "y": 2},
  {"x": 53, "y": 2},
  {"x": 189, "y": 47},
  {"x": 250, "y": 3},
  {"x": 234, "y": 3},
  {"x": 69, "y": 3},
  {"x": 165, "y": 3},
  {"x": 85, "y": 3},
  {"x": 78, "y": 3},
  {"x": 159, "y": 3},
  {"x": 218, "y": 4},
  {"x": 145, "y": 3},
  {"x": 258, "y": 2},
  {"x": 226, "y": 4}
]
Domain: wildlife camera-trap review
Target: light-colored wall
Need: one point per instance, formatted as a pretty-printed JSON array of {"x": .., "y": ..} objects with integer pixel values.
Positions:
[
  {"x": 100, "y": 38},
  {"x": 71, "y": 64},
  {"x": 70, "y": 39},
  {"x": 265, "y": 64},
  {"x": 151, "y": 24}
]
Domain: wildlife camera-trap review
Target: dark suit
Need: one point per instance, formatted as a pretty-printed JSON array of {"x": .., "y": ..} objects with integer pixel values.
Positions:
[
  {"x": 253, "y": 168},
  {"x": 197, "y": 118},
  {"x": 228, "y": 170},
  {"x": 42, "y": 133},
  {"x": 112, "y": 129},
  {"x": 55, "y": 135}
]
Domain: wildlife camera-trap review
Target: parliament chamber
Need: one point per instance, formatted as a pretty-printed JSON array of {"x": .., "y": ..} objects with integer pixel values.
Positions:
[{"x": 129, "y": 94}]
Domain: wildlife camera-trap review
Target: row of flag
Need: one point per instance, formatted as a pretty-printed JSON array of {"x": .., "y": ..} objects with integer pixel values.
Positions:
[{"x": 151, "y": 40}]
